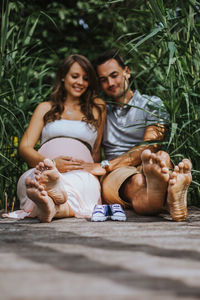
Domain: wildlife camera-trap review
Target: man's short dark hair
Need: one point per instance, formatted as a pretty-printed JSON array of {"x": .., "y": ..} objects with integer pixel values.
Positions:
[{"x": 107, "y": 55}]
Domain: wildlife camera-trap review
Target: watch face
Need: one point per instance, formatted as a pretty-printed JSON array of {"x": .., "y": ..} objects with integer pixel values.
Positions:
[{"x": 105, "y": 163}]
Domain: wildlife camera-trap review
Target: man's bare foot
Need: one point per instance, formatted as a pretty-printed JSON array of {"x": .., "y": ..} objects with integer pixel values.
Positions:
[
  {"x": 46, "y": 209},
  {"x": 179, "y": 182},
  {"x": 157, "y": 177},
  {"x": 48, "y": 176}
]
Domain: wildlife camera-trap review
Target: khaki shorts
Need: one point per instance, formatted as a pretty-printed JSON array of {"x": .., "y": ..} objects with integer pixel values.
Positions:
[{"x": 112, "y": 182}]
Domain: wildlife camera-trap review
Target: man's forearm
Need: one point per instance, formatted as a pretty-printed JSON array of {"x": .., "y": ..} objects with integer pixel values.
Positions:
[
  {"x": 132, "y": 157},
  {"x": 152, "y": 135}
]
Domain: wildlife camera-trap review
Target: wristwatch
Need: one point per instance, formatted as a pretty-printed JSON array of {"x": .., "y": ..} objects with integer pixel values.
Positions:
[{"x": 105, "y": 164}]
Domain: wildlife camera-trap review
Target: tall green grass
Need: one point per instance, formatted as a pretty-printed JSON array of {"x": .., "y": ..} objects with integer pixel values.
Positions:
[
  {"x": 167, "y": 64},
  {"x": 21, "y": 88}
]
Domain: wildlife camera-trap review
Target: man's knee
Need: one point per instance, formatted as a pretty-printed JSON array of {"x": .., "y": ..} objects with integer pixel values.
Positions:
[
  {"x": 136, "y": 181},
  {"x": 131, "y": 185}
]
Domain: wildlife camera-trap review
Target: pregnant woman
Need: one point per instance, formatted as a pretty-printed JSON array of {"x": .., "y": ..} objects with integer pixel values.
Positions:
[{"x": 70, "y": 127}]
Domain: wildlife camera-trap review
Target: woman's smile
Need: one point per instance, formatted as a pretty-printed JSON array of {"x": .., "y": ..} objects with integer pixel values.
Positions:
[{"x": 76, "y": 81}]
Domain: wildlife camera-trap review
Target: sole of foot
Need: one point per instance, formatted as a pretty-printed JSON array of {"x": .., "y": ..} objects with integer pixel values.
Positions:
[
  {"x": 45, "y": 210},
  {"x": 49, "y": 177},
  {"x": 157, "y": 177},
  {"x": 179, "y": 182}
]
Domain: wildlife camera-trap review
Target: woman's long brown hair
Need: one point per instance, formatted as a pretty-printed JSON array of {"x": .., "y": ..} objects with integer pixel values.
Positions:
[{"x": 59, "y": 92}]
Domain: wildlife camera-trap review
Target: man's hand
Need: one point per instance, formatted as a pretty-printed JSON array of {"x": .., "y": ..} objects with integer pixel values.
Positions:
[
  {"x": 66, "y": 163},
  {"x": 93, "y": 168}
]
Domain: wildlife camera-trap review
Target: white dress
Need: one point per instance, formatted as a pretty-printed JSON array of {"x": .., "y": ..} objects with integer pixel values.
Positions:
[{"x": 69, "y": 138}]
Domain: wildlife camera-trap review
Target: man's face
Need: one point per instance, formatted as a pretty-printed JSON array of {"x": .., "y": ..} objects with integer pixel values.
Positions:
[{"x": 113, "y": 79}]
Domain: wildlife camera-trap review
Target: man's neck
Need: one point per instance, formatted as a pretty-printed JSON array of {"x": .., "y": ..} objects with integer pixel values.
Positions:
[{"x": 124, "y": 99}]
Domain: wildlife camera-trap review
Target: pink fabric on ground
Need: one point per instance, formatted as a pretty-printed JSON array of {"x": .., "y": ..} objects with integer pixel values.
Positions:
[{"x": 18, "y": 214}]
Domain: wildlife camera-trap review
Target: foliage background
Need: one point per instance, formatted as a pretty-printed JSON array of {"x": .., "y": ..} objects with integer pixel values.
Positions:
[{"x": 159, "y": 39}]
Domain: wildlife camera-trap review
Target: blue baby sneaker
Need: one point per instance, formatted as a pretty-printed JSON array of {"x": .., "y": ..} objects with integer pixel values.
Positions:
[
  {"x": 117, "y": 213},
  {"x": 100, "y": 213}
]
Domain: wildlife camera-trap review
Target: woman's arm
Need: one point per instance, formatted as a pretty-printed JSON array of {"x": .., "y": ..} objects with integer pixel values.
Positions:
[
  {"x": 32, "y": 135},
  {"x": 96, "y": 153},
  {"x": 95, "y": 168}
]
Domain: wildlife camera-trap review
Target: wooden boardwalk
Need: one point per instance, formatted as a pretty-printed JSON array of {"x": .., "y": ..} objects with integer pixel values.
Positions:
[{"x": 143, "y": 258}]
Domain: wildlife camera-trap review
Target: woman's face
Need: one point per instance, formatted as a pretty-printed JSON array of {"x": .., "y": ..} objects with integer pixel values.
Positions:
[{"x": 76, "y": 81}]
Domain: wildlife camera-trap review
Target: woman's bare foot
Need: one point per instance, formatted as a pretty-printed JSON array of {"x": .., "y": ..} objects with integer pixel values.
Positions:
[
  {"x": 157, "y": 177},
  {"x": 46, "y": 209},
  {"x": 48, "y": 176},
  {"x": 179, "y": 182}
]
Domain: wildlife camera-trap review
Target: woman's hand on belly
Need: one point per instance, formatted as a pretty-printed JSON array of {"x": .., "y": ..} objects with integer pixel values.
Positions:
[{"x": 66, "y": 164}]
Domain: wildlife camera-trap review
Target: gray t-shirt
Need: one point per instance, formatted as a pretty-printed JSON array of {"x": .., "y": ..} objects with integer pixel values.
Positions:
[{"x": 126, "y": 125}]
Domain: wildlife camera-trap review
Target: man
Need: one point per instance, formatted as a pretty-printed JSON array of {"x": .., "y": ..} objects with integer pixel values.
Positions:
[{"x": 138, "y": 176}]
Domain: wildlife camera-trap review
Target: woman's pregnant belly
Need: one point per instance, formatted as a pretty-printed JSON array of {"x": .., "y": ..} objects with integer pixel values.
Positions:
[{"x": 65, "y": 147}]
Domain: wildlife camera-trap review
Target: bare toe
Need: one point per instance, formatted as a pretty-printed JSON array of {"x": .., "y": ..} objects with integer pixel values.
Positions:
[
  {"x": 37, "y": 177},
  {"x": 176, "y": 169},
  {"x": 154, "y": 158},
  {"x": 187, "y": 164},
  {"x": 181, "y": 166},
  {"x": 146, "y": 155},
  {"x": 37, "y": 172},
  {"x": 30, "y": 182},
  {"x": 165, "y": 170},
  {"x": 49, "y": 163},
  {"x": 40, "y": 167}
]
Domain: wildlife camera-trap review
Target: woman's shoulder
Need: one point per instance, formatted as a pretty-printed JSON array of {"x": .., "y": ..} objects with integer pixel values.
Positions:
[
  {"x": 43, "y": 107},
  {"x": 46, "y": 105},
  {"x": 101, "y": 104},
  {"x": 100, "y": 101}
]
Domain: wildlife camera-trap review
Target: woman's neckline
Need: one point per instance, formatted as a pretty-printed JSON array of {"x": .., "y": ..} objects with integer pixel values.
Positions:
[{"x": 70, "y": 120}]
